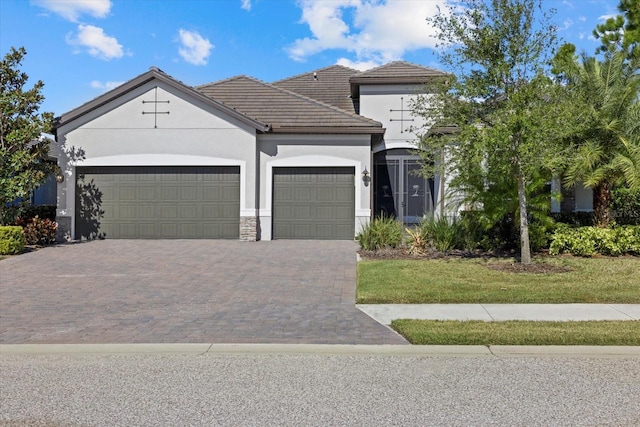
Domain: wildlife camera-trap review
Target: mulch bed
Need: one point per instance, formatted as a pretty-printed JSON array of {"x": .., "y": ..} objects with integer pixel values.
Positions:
[{"x": 512, "y": 267}]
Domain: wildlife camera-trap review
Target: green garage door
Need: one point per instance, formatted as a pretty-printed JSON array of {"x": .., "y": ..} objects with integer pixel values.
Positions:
[
  {"x": 150, "y": 202},
  {"x": 313, "y": 203}
]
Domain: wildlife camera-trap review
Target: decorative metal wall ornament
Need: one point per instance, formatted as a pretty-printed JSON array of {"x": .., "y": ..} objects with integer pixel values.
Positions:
[
  {"x": 402, "y": 111},
  {"x": 155, "y": 103}
]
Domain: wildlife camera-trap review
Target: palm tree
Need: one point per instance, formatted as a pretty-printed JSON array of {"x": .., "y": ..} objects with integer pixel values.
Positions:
[{"x": 605, "y": 140}]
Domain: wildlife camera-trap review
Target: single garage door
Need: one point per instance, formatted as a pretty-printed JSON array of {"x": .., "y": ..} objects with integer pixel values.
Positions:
[
  {"x": 313, "y": 203},
  {"x": 152, "y": 202}
]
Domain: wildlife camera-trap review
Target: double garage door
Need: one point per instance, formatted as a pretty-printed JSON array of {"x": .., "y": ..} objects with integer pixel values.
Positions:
[
  {"x": 151, "y": 202},
  {"x": 158, "y": 202}
]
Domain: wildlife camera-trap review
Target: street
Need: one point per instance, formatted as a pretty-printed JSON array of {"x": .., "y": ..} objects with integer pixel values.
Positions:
[{"x": 262, "y": 389}]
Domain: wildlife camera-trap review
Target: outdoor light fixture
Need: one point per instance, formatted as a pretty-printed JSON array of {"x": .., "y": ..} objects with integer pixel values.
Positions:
[
  {"x": 365, "y": 177},
  {"x": 59, "y": 177}
]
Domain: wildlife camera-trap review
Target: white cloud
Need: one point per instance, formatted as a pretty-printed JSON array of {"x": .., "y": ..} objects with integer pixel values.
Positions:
[
  {"x": 358, "y": 65},
  {"x": 195, "y": 48},
  {"x": 245, "y": 4},
  {"x": 104, "y": 86},
  {"x": 566, "y": 24},
  {"x": 605, "y": 17},
  {"x": 378, "y": 31},
  {"x": 96, "y": 42},
  {"x": 582, "y": 19},
  {"x": 71, "y": 10}
]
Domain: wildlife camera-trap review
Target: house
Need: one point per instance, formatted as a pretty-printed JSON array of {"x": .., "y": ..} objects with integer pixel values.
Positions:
[{"x": 313, "y": 156}]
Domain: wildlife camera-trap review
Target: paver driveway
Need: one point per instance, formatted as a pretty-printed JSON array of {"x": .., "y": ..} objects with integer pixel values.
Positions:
[{"x": 135, "y": 291}]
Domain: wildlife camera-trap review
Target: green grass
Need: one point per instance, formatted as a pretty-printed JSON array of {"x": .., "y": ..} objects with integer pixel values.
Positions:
[
  {"x": 434, "y": 332},
  {"x": 593, "y": 280}
]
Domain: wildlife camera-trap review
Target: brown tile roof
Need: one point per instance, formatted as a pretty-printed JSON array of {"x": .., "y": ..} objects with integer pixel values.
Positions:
[
  {"x": 285, "y": 111},
  {"x": 397, "y": 72},
  {"x": 329, "y": 85}
]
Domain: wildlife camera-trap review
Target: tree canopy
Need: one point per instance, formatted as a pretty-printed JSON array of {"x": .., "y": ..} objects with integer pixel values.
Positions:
[
  {"x": 603, "y": 91},
  {"x": 501, "y": 101},
  {"x": 24, "y": 153}
]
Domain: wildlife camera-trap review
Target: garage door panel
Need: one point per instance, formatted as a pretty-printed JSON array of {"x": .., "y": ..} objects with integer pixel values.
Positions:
[
  {"x": 169, "y": 211},
  {"x": 169, "y": 193},
  {"x": 188, "y": 211},
  {"x": 158, "y": 202},
  {"x": 325, "y": 194},
  {"x": 127, "y": 211},
  {"x": 313, "y": 203}
]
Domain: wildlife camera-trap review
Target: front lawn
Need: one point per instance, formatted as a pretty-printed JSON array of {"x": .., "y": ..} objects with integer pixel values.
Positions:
[
  {"x": 436, "y": 332},
  {"x": 590, "y": 280}
]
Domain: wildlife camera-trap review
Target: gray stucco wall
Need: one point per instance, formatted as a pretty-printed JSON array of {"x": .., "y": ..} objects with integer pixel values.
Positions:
[{"x": 192, "y": 134}]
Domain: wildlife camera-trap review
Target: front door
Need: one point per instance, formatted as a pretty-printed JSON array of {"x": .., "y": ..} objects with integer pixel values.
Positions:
[{"x": 399, "y": 190}]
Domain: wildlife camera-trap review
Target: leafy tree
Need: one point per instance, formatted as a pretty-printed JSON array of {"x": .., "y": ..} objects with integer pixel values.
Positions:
[
  {"x": 24, "y": 161},
  {"x": 501, "y": 101},
  {"x": 621, "y": 32},
  {"x": 605, "y": 143}
]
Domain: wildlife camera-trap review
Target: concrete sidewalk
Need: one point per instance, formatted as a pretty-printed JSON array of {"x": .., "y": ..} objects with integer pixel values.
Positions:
[{"x": 385, "y": 313}]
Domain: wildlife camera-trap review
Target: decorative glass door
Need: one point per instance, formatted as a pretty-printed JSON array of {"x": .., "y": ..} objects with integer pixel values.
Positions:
[{"x": 399, "y": 190}]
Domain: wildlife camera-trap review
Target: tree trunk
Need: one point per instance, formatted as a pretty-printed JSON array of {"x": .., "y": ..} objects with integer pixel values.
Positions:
[
  {"x": 525, "y": 247},
  {"x": 602, "y": 205}
]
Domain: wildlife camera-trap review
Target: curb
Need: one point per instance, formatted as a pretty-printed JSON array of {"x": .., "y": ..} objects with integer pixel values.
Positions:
[{"x": 207, "y": 349}]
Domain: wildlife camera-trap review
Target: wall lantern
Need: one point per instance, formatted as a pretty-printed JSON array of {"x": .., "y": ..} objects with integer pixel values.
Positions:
[
  {"x": 365, "y": 176},
  {"x": 59, "y": 177}
]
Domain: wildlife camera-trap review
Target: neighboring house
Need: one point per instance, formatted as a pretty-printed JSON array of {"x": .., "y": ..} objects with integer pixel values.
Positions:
[{"x": 314, "y": 156}]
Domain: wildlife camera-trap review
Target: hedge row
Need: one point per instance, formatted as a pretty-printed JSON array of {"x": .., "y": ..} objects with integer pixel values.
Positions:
[{"x": 587, "y": 241}]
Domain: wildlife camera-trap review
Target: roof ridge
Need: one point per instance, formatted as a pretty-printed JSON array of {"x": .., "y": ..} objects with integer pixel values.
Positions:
[
  {"x": 317, "y": 70},
  {"x": 228, "y": 79},
  {"x": 399, "y": 61}
]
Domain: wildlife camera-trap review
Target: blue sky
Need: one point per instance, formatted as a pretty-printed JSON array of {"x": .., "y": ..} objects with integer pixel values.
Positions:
[{"x": 82, "y": 48}]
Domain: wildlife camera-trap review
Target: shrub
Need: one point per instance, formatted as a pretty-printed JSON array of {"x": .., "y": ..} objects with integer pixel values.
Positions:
[
  {"x": 11, "y": 214},
  {"x": 442, "y": 233},
  {"x": 12, "y": 240},
  {"x": 38, "y": 231},
  {"x": 381, "y": 232},
  {"x": 587, "y": 241},
  {"x": 626, "y": 206}
]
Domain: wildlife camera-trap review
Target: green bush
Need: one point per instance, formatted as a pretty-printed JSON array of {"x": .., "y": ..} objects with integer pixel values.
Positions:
[
  {"x": 625, "y": 205},
  {"x": 12, "y": 240},
  {"x": 442, "y": 233},
  {"x": 12, "y": 214},
  {"x": 587, "y": 241},
  {"x": 39, "y": 231},
  {"x": 381, "y": 232}
]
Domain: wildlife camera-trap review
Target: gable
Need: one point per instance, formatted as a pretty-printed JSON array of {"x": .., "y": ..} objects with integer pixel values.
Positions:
[
  {"x": 156, "y": 105},
  {"x": 137, "y": 87}
]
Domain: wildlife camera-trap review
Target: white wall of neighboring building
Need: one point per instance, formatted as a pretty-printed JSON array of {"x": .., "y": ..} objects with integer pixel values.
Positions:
[
  {"x": 192, "y": 134},
  {"x": 313, "y": 151}
]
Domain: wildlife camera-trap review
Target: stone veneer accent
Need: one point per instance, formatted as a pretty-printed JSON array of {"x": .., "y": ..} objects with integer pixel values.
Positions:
[
  {"x": 63, "y": 234},
  {"x": 249, "y": 228}
]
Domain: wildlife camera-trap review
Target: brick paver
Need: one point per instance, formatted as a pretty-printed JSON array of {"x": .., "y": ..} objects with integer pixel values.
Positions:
[{"x": 136, "y": 291}]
